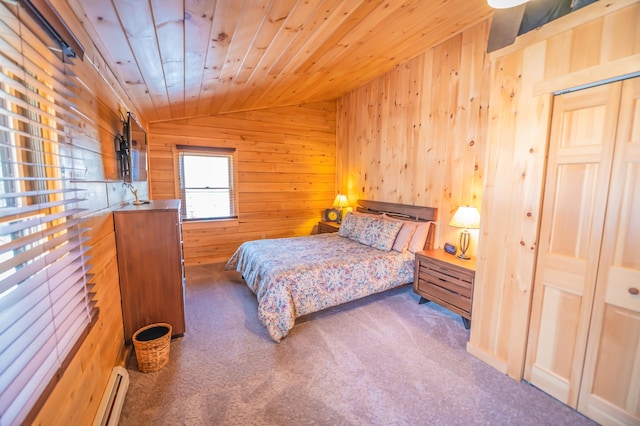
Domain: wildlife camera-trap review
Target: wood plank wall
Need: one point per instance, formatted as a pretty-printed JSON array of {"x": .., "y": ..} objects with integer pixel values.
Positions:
[
  {"x": 407, "y": 137},
  {"x": 597, "y": 42},
  {"x": 417, "y": 135},
  {"x": 76, "y": 397},
  {"x": 286, "y": 160}
]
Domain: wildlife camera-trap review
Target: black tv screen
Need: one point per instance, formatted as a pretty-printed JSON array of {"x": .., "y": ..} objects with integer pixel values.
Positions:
[{"x": 136, "y": 139}]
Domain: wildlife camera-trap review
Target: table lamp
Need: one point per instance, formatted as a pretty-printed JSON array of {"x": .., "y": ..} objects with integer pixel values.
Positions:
[
  {"x": 342, "y": 202},
  {"x": 466, "y": 217}
]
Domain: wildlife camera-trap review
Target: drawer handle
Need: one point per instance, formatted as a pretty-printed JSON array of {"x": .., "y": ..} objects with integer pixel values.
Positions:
[{"x": 634, "y": 291}]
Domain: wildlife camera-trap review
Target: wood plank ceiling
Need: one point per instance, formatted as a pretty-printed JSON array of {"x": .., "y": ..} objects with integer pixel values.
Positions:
[{"x": 185, "y": 58}]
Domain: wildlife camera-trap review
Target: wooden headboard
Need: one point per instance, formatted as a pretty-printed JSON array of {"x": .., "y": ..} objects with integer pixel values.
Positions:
[{"x": 403, "y": 211}]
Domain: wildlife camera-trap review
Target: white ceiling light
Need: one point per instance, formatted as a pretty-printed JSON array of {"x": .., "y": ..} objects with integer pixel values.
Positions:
[{"x": 504, "y": 4}]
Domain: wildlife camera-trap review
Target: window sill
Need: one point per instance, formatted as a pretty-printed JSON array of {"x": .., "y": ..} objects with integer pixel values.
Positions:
[{"x": 209, "y": 223}]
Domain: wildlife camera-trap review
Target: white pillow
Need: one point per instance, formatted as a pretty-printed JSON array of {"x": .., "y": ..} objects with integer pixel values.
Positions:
[
  {"x": 419, "y": 238},
  {"x": 404, "y": 237},
  {"x": 401, "y": 244}
]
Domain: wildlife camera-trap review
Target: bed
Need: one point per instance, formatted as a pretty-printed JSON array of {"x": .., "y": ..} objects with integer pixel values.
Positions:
[{"x": 372, "y": 252}]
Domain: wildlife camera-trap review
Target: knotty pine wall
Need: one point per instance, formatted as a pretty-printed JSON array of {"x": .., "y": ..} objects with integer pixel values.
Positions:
[
  {"x": 454, "y": 127},
  {"x": 99, "y": 101},
  {"x": 286, "y": 162},
  {"x": 417, "y": 135},
  {"x": 600, "y": 41}
]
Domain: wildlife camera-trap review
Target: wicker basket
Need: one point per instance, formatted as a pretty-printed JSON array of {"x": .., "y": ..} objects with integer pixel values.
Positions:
[{"x": 152, "y": 344}]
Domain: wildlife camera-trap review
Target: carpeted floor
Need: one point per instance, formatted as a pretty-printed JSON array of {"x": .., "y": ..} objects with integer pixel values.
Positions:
[{"x": 384, "y": 360}]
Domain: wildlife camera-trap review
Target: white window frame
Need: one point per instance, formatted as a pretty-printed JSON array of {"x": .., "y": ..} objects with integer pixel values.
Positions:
[{"x": 180, "y": 192}]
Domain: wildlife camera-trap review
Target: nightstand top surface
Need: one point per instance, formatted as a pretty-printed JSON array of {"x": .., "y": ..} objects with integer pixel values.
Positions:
[
  {"x": 443, "y": 256},
  {"x": 332, "y": 224}
]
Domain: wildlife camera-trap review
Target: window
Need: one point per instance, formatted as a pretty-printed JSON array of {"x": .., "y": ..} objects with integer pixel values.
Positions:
[
  {"x": 46, "y": 308},
  {"x": 206, "y": 183}
]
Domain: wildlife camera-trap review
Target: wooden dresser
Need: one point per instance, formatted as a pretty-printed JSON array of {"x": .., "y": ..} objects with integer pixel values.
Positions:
[
  {"x": 150, "y": 263},
  {"x": 327, "y": 227},
  {"x": 446, "y": 280}
]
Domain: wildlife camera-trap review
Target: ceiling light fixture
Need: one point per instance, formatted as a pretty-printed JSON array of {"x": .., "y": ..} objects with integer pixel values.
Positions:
[{"x": 505, "y": 4}]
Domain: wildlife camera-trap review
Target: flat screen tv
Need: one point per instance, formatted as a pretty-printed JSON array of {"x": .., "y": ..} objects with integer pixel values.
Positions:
[{"x": 134, "y": 167}]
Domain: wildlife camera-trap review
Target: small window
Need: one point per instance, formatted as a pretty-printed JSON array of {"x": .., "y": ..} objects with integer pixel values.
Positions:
[{"x": 206, "y": 183}]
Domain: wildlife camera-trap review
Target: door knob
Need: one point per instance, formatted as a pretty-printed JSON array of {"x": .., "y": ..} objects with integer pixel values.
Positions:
[{"x": 633, "y": 290}]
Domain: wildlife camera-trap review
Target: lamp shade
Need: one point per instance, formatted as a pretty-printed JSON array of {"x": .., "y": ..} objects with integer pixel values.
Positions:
[
  {"x": 505, "y": 4},
  {"x": 341, "y": 201},
  {"x": 466, "y": 217}
]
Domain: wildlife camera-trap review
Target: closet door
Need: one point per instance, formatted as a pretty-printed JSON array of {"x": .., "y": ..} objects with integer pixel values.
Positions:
[
  {"x": 611, "y": 380},
  {"x": 580, "y": 154}
]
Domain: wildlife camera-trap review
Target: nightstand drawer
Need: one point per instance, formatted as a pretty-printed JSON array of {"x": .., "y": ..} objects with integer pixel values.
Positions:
[
  {"x": 447, "y": 278},
  {"x": 328, "y": 227},
  {"x": 434, "y": 288}
]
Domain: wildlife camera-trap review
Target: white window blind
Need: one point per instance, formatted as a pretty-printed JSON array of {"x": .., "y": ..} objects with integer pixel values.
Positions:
[
  {"x": 206, "y": 183},
  {"x": 46, "y": 308}
]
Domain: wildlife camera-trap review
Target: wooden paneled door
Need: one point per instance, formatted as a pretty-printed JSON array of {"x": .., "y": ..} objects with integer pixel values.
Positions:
[
  {"x": 610, "y": 391},
  {"x": 584, "y": 338},
  {"x": 583, "y": 129}
]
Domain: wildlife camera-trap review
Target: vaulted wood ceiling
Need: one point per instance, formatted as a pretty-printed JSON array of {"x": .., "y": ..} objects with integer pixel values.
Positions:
[{"x": 184, "y": 58}]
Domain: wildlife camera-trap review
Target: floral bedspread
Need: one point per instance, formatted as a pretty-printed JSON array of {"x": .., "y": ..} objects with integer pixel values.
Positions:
[{"x": 292, "y": 277}]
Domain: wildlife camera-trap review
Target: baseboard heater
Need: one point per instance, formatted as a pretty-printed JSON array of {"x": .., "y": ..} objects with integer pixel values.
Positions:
[{"x": 113, "y": 398}]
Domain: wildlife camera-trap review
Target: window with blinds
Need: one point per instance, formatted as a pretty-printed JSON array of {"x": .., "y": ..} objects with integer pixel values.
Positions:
[
  {"x": 206, "y": 183},
  {"x": 46, "y": 308}
]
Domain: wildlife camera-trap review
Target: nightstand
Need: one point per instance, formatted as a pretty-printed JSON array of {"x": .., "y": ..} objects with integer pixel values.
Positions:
[
  {"x": 327, "y": 227},
  {"x": 446, "y": 280}
]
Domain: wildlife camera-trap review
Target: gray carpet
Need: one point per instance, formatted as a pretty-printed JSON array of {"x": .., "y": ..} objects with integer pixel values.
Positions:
[{"x": 383, "y": 360}]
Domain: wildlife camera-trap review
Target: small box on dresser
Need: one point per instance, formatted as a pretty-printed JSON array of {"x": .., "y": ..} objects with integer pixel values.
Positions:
[
  {"x": 446, "y": 280},
  {"x": 150, "y": 264}
]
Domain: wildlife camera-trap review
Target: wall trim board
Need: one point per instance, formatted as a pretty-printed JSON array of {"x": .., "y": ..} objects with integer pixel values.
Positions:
[{"x": 599, "y": 74}]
